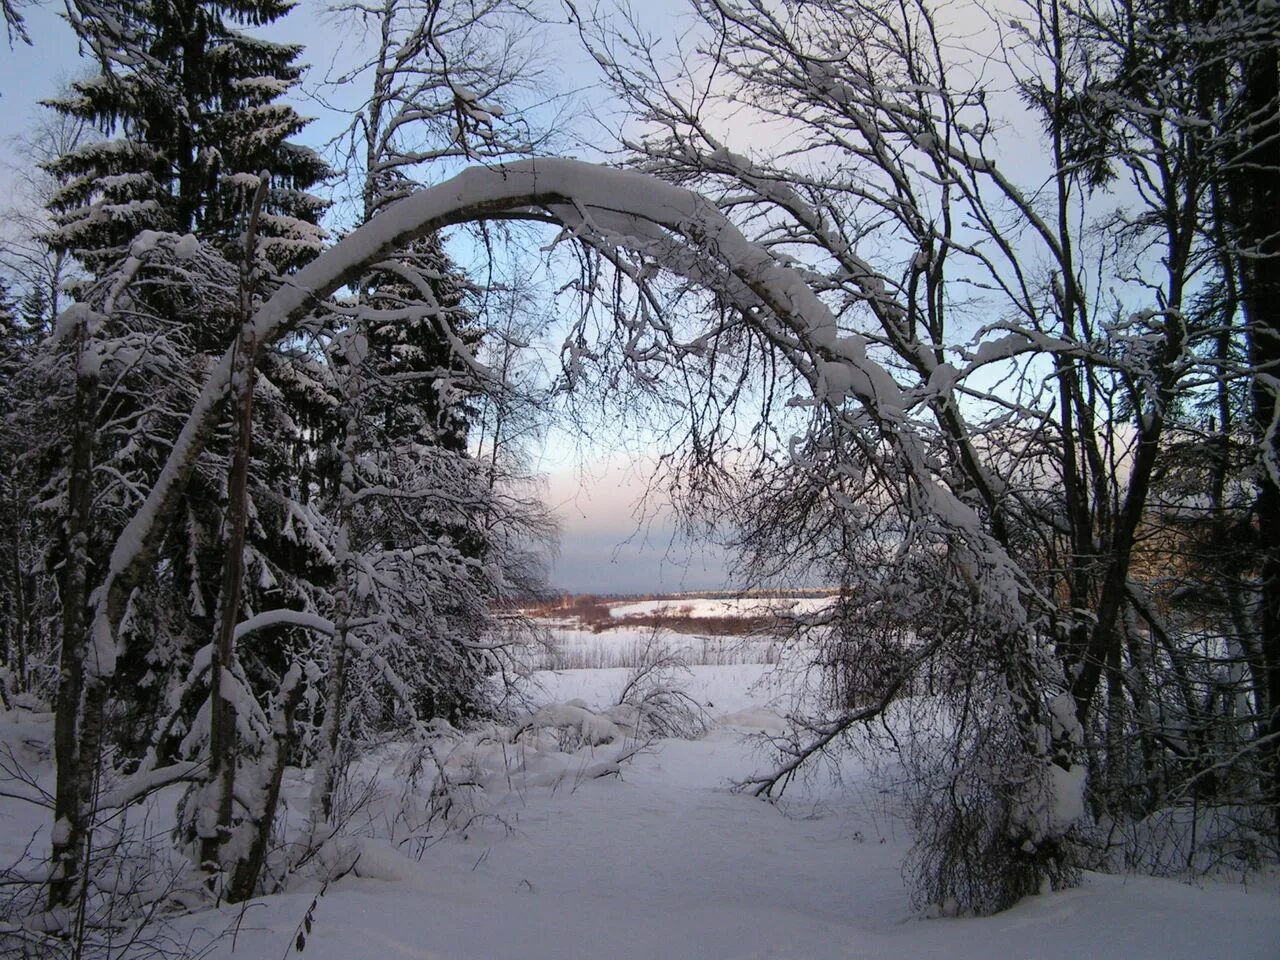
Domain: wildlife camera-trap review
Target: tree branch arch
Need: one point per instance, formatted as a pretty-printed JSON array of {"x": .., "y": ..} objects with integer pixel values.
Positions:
[
  {"x": 616, "y": 213},
  {"x": 605, "y": 207}
]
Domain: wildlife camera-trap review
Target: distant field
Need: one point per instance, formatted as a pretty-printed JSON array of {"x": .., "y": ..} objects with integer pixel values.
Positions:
[
  {"x": 574, "y": 648},
  {"x": 704, "y": 616},
  {"x": 702, "y": 608},
  {"x": 595, "y": 633}
]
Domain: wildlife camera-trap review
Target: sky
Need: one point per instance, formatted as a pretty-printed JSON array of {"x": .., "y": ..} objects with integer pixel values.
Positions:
[
  {"x": 613, "y": 541},
  {"x": 610, "y": 544},
  {"x": 610, "y": 541}
]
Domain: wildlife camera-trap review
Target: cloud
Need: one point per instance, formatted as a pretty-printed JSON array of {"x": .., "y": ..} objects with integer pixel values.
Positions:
[{"x": 617, "y": 539}]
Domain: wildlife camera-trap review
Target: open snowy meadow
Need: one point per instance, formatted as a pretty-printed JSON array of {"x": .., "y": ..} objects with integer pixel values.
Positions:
[{"x": 578, "y": 831}]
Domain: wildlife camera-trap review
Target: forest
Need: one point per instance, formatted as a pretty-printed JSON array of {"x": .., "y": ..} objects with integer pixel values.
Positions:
[{"x": 966, "y": 314}]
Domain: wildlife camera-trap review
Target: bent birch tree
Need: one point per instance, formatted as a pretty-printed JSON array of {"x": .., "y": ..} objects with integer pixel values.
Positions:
[{"x": 642, "y": 225}]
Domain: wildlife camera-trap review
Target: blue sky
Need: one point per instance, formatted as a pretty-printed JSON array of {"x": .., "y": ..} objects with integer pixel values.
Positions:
[
  {"x": 595, "y": 482},
  {"x": 609, "y": 542},
  {"x": 614, "y": 543}
]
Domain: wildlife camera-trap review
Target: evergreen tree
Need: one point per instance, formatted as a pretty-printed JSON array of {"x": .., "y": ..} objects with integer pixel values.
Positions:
[
  {"x": 21, "y": 588},
  {"x": 419, "y": 410},
  {"x": 8, "y": 315},
  {"x": 194, "y": 123},
  {"x": 429, "y": 401},
  {"x": 9, "y": 630},
  {"x": 192, "y": 120},
  {"x": 35, "y": 309}
]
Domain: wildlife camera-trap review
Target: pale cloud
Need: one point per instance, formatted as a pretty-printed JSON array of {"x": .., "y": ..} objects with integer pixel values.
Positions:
[{"x": 618, "y": 536}]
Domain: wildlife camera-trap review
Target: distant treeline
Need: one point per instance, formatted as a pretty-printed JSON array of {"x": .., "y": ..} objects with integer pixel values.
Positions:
[{"x": 578, "y": 601}]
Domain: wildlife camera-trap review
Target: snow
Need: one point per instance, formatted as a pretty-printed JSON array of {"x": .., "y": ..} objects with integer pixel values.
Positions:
[
  {"x": 61, "y": 831},
  {"x": 274, "y": 618},
  {"x": 737, "y": 695},
  {"x": 665, "y": 861},
  {"x": 1068, "y": 796},
  {"x": 670, "y": 901},
  {"x": 614, "y": 206},
  {"x": 727, "y": 607},
  {"x": 187, "y": 247},
  {"x": 592, "y": 728},
  {"x": 662, "y": 859}
]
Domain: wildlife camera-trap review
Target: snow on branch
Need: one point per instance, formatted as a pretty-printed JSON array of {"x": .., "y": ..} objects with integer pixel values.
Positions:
[
  {"x": 284, "y": 618},
  {"x": 609, "y": 207}
]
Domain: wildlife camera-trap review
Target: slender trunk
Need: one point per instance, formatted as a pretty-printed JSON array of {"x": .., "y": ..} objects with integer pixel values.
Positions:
[
  {"x": 222, "y": 716},
  {"x": 244, "y": 879},
  {"x": 1104, "y": 636},
  {"x": 1104, "y": 647},
  {"x": 20, "y": 637},
  {"x": 345, "y": 591},
  {"x": 73, "y": 756},
  {"x": 216, "y": 829},
  {"x": 335, "y": 697},
  {"x": 1117, "y": 790},
  {"x": 1138, "y": 686},
  {"x": 1260, "y": 173},
  {"x": 1073, "y": 434}
]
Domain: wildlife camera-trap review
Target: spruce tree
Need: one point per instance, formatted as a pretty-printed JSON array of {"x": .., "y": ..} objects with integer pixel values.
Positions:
[
  {"x": 421, "y": 414},
  {"x": 8, "y": 315},
  {"x": 191, "y": 122},
  {"x": 8, "y": 618},
  {"x": 192, "y": 117},
  {"x": 35, "y": 310}
]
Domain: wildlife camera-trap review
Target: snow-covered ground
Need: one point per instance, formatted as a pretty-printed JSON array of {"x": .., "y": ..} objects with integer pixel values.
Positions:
[
  {"x": 622, "y": 646},
  {"x": 716, "y": 607},
  {"x": 664, "y": 861}
]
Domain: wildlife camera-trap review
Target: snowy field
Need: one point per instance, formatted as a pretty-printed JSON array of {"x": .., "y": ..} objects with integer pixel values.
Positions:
[
  {"x": 657, "y": 858},
  {"x": 703, "y": 608},
  {"x": 574, "y": 648}
]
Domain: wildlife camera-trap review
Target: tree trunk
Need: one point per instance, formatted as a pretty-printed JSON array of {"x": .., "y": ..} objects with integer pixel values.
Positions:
[
  {"x": 1260, "y": 194},
  {"x": 75, "y": 754},
  {"x": 345, "y": 592},
  {"x": 244, "y": 879},
  {"x": 331, "y": 731},
  {"x": 214, "y": 826},
  {"x": 222, "y": 715}
]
